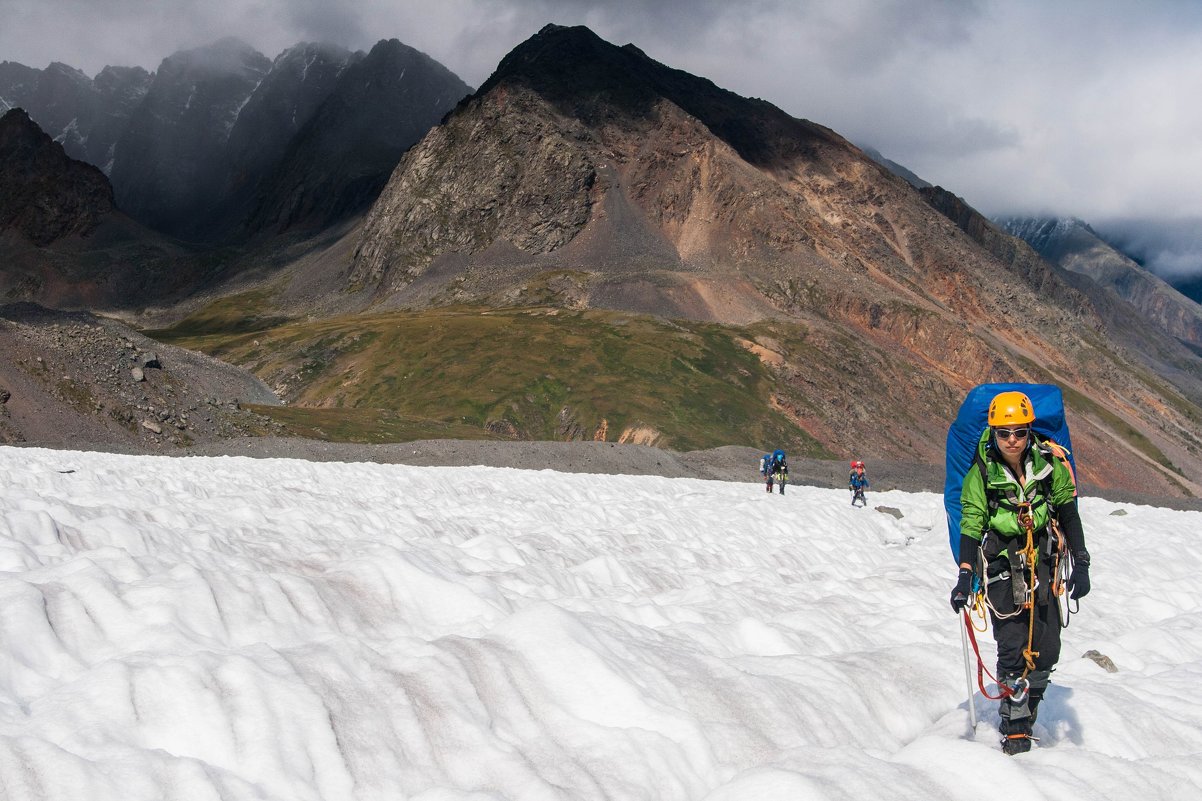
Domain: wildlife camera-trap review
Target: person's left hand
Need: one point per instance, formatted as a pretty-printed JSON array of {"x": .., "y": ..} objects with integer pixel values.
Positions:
[{"x": 1078, "y": 582}]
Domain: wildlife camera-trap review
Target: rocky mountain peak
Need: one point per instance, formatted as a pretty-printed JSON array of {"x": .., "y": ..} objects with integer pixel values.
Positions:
[
  {"x": 228, "y": 54},
  {"x": 295, "y": 58},
  {"x": 44, "y": 194},
  {"x": 590, "y": 79},
  {"x": 67, "y": 72},
  {"x": 380, "y": 104},
  {"x": 124, "y": 85},
  {"x": 586, "y": 175},
  {"x": 563, "y": 61}
]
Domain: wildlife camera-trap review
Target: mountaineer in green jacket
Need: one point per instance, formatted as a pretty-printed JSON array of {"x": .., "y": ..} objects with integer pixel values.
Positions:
[{"x": 1020, "y": 533}]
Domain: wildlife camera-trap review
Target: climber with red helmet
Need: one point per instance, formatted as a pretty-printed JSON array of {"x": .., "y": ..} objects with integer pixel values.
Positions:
[{"x": 857, "y": 482}]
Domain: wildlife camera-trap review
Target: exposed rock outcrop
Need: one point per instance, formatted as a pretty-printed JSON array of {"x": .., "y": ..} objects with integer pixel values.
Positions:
[
  {"x": 73, "y": 381},
  {"x": 44, "y": 194}
]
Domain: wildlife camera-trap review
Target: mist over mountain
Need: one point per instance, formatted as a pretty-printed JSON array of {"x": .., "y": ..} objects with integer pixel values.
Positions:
[
  {"x": 378, "y": 106},
  {"x": 1172, "y": 249},
  {"x": 169, "y": 169},
  {"x": 217, "y": 142},
  {"x": 1074, "y": 245}
]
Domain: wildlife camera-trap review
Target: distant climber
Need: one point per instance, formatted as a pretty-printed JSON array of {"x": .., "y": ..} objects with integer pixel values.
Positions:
[
  {"x": 857, "y": 482},
  {"x": 777, "y": 470}
]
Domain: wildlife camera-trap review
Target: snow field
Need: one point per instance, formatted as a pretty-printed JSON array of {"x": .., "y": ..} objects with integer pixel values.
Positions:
[{"x": 272, "y": 629}]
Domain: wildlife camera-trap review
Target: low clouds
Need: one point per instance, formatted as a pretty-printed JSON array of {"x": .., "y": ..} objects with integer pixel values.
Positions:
[
  {"x": 1075, "y": 107},
  {"x": 1170, "y": 248}
]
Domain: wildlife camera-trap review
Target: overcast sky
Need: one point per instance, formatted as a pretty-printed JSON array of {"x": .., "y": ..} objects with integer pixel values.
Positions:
[{"x": 1081, "y": 107}]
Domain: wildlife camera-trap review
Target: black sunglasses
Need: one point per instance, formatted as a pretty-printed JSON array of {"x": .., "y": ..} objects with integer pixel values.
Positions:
[{"x": 1006, "y": 433}]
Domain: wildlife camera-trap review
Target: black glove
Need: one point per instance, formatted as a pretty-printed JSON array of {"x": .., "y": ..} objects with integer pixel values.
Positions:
[
  {"x": 1078, "y": 582},
  {"x": 963, "y": 589}
]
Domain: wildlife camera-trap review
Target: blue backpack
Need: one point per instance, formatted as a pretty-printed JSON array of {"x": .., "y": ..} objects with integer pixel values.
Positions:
[
  {"x": 965, "y": 433},
  {"x": 778, "y": 460}
]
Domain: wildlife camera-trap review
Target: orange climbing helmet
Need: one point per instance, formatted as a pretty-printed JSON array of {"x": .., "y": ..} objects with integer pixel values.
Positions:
[{"x": 1011, "y": 408}]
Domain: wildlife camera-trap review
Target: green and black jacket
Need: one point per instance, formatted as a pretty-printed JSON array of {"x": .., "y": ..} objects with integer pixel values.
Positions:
[{"x": 994, "y": 510}]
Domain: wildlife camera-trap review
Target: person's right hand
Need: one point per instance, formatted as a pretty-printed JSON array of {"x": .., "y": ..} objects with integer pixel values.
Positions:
[{"x": 963, "y": 590}]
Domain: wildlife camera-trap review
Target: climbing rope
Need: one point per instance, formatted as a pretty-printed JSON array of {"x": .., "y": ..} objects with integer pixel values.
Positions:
[
  {"x": 1029, "y": 555},
  {"x": 1004, "y": 691}
]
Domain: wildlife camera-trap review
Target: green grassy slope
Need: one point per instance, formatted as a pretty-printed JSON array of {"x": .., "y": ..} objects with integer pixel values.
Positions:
[{"x": 534, "y": 373}]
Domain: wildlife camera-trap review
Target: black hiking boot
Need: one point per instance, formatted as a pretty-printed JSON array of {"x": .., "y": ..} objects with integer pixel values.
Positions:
[{"x": 1017, "y": 716}]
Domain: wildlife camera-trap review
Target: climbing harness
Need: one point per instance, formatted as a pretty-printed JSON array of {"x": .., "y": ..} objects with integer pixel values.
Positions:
[
  {"x": 1022, "y": 573},
  {"x": 1025, "y": 559}
]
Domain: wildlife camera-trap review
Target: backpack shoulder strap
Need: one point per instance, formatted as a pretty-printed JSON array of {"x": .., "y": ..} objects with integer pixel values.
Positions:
[
  {"x": 990, "y": 494},
  {"x": 1054, "y": 452}
]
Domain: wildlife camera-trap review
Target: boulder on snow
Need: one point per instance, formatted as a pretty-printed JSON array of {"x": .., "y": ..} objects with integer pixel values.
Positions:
[{"x": 1102, "y": 661}]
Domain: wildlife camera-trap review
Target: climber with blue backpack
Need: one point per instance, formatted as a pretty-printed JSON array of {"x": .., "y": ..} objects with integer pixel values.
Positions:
[
  {"x": 1020, "y": 545},
  {"x": 775, "y": 470}
]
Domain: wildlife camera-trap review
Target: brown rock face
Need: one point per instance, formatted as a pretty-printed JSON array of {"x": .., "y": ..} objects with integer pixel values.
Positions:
[
  {"x": 592, "y": 175},
  {"x": 62, "y": 241},
  {"x": 44, "y": 194}
]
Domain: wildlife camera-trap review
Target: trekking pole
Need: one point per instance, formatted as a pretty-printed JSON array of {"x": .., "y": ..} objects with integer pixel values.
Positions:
[{"x": 972, "y": 707}]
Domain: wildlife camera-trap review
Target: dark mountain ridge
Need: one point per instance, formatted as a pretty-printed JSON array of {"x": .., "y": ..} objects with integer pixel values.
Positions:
[
  {"x": 586, "y": 77},
  {"x": 340, "y": 158},
  {"x": 170, "y": 165},
  {"x": 63, "y": 241},
  {"x": 221, "y": 144},
  {"x": 44, "y": 194}
]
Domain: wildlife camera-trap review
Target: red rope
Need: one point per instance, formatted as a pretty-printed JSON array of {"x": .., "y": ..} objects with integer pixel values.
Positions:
[{"x": 982, "y": 671}]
